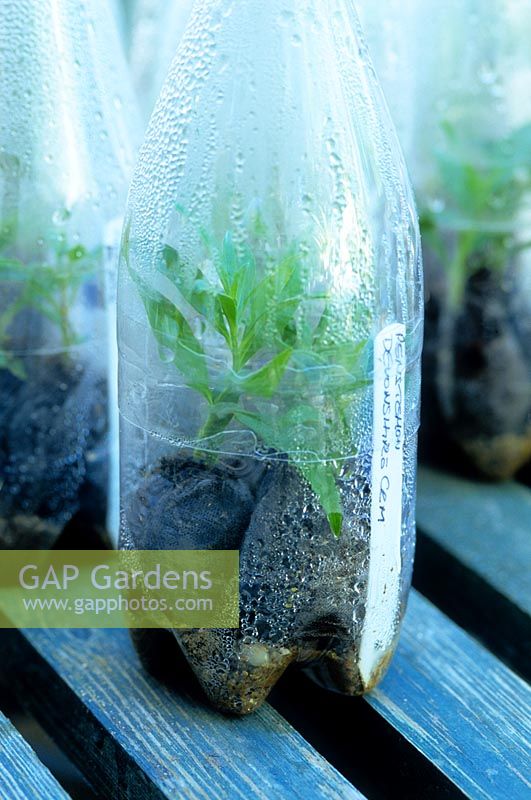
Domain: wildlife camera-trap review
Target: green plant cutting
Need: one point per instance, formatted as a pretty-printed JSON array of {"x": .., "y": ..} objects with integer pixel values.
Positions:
[
  {"x": 258, "y": 305},
  {"x": 50, "y": 288},
  {"x": 492, "y": 182}
]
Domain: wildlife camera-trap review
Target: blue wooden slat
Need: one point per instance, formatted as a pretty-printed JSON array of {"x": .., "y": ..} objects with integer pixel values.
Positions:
[
  {"x": 448, "y": 720},
  {"x": 463, "y": 709},
  {"x": 22, "y": 775},
  {"x": 486, "y": 526},
  {"x": 136, "y": 739},
  {"x": 474, "y": 557}
]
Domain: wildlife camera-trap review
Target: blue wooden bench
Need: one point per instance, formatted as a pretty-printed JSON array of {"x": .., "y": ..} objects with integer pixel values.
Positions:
[
  {"x": 474, "y": 560},
  {"x": 452, "y": 718},
  {"x": 22, "y": 775}
]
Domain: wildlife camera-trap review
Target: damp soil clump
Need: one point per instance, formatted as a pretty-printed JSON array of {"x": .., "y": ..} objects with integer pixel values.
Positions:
[{"x": 300, "y": 586}]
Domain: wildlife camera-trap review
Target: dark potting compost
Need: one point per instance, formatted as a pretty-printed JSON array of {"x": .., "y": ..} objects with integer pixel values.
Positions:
[
  {"x": 477, "y": 373},
  {"x": 53, "y": 450},
  {"x": 287, "y": 555}
]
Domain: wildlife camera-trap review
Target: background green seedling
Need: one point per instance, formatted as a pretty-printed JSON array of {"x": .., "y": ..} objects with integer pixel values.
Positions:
[
  {"x": 47, "y": 287},
  {"x": 479, "y": 183}
]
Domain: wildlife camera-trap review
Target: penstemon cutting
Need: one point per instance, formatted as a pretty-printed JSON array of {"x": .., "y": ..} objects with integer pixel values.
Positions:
[{"x": 256, "y": 303}]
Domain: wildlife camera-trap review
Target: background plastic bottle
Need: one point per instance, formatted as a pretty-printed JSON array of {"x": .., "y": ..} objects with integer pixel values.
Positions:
[
  {"x": 65, "y": 158},
  {"x": 156, "y": 29},
  {"x": 394, "y": 40},
  {"x": 468, "y": 143},
  {"x": 476, "y": 192},
  {"x": 270, "y": 325}
]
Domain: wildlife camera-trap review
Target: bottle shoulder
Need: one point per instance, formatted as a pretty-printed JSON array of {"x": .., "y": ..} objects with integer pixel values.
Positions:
[{"x": 69, "y": 115}]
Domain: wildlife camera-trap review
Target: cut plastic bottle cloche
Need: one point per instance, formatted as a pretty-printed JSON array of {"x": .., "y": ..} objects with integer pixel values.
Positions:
[
  {"x": 65, "y": 159},
  {"x": 270, "y": 326}
]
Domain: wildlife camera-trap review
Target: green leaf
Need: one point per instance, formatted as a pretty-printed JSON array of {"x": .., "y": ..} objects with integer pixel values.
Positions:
[
  {"x": 201, "y": 297},
  {"x": 333, "y": 370},
  {"x": 229, "y": 266},
  {"x": 12, "y": 270},
  {"x": 259, "y": 306},
  {"x": 246, "y": 281},
  {"x": 220, "y": 416},
  {"x": 336, "y": 522},
  {"x": 14, "y": 365},
  {"x": 173, "y": 332},
  {"x": 220, "y": 323},
  {"x": 474, "y": 172},
  {"x": 261, "y": 427},
  {"x": 216, "y": 308},
  {"x": 264, "y": 382},
  {"x": 228, "y": 309},
  {"x": 171, "y": 259},
  {"x": 77, "y": 253},
  {"x": 322, "y": 479}
]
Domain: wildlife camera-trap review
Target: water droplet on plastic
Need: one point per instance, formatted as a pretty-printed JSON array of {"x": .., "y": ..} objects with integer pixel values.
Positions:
[
  {"x": 165, "y": 354},
  {"x": 437, "y": 205},
  {"x": 61, "y": 216}
]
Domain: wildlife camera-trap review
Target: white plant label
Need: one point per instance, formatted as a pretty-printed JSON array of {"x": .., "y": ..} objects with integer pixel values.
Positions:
[
  {"x": 383, "y": 591},
  {"x": 111, "y": 243}
]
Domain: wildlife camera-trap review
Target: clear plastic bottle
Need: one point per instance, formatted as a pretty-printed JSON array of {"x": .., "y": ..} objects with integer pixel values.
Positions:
[
  {"x": 270, "y": 326},
  {"x": 472, "y": 173},
  {"x": 394, "y": 40},
  {"x": 65, "y": 159},
  {"x": 156, "y": 30}
]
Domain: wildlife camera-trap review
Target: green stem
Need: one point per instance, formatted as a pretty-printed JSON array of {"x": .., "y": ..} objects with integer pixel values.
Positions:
[
  {"x": 458, "y": 268},
  {"x": 67, "y": 331},
  {"x": 214, "y": 422}
]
